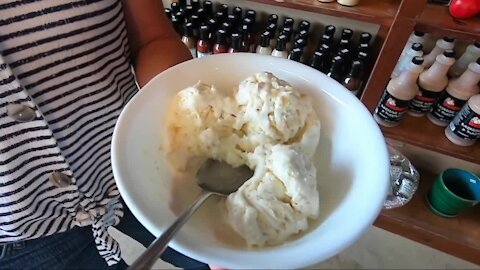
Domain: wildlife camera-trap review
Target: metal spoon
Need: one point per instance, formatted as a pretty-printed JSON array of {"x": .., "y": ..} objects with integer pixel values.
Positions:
[{"x": 214, "y": 177}]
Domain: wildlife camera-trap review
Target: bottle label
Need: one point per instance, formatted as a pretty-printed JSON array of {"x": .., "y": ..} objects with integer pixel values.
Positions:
[
  {"x": 193, "y": 51},
  {"x": 446, "y": 107},
  {"x": 391, "y": 109},
  {"x": 423, "y": 101},
  {"x": 466, "y": 124},
  {"x": 201, "y": 54}
]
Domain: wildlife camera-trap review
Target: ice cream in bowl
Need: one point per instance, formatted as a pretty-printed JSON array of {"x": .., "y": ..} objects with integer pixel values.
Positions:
[{"x": 319, "y": 160}]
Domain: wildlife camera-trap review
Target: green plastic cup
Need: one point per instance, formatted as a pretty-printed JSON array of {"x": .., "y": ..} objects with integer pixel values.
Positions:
[{"x": 454, "y": 191}]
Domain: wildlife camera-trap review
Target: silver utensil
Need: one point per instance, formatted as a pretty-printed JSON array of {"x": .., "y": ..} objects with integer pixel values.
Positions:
[{"x": 214, "y": 177}]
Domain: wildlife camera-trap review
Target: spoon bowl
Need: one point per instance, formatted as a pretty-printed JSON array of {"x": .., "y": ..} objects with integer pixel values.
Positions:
[{"x": 214, "y": 177}]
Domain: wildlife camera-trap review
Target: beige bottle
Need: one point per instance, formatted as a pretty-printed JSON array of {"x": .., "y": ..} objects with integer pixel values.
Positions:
[
  {"x": 400, "y": 90},
  {"x": 446, "y": 43},
  {"x": 431, "y": 83},
  {"x": 464, "y": 130},
  {"x": 470, "y": 55},
  {"x": 457, "y": 93}
]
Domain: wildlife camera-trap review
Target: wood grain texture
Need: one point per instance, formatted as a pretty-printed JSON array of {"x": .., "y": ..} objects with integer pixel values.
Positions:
[
  {"x": 459, "y": 236},
  {"x": 372, "y": 11}
]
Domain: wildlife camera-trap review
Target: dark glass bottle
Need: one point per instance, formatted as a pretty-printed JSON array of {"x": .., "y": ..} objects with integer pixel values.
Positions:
[
  {"x": 303, "y": 34},
  {"x": 319, "y": 61},
  {"x": 233, "y": 20},
  {"x": 352, "y": 81},
  {"x": 251, "y": 14},
  {"x": 248, "y": 42},
  {"x": 344, "y": 44},
  {"x": 300, "y": 43},
  {"x": 213, "y": 26},
  {"x": 236, "y": 43},
  {"x": 202, "y": 16},
  {"x": 288, "y": 22},
  {"x": 264, "y": 46},
  {"x": 296, "y": 54},
  {"x": 177, "y": 25},
  {"x": 219, "y": 17},
  {"x": 281, "y": 47},
  {"x": 272, "y": 18},
  {"x": 336, "y": 67},
  {"x": 220, "y": 45},
  {"x": 363, "y": 47},
  {"x": 196, "y": 25}
]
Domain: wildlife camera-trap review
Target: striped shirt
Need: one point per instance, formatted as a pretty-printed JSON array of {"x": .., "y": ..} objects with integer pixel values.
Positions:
[{"x": 66, "y": 62}]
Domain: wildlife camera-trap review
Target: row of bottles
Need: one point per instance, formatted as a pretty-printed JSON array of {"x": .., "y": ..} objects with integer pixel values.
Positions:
[
  {"x": 453, "y": 103},
  {"x": 206, "y": 31}
]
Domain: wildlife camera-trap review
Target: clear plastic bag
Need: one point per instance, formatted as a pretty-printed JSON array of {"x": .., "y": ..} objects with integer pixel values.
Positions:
[{"x": 404, "y": 179}]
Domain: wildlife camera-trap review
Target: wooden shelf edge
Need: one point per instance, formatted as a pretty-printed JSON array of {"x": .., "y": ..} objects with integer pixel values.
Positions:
[
  {"x": 370, "y": 11},
  {"x": 419, "y": 131},
  {"x": 459, "y": 236},
  {"x": 436, "y": 19}
]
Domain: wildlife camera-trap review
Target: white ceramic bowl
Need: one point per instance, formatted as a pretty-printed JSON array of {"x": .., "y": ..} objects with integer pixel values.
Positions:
[{"x": 351, "y": 160}]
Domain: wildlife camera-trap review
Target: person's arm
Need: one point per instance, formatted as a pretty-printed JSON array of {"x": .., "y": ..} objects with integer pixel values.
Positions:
[{"x": 154, "y": 44}]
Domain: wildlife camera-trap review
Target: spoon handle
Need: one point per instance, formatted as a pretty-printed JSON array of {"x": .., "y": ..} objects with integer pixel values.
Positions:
[{"x": 150, "y": 256}]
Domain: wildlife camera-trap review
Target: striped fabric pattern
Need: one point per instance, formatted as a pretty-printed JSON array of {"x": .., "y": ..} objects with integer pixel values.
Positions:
[{"x": 69, "y": 62}]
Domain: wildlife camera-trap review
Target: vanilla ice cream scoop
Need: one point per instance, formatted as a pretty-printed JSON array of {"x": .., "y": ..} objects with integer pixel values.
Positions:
[
  {"x": 273, "y": 112},
  {"x": 278, "y": 200}
]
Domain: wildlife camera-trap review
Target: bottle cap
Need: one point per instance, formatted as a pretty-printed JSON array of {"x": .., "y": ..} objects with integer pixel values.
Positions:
[
  {"x": 343, "y": 53},
  {"x": 236, "y": 41},
  {"x": 204, "y": 32},
  {"x": 303, "y": 34},
  {"x": 347, "y": 33},
  {"x": 329, "y": 30},
  {"x": 304, "y": 25},
  {"x": 363, "y": 47},
  {"x": 417, "y": 47},
  {"x": 195, "y": 4},
  {"x": 188, "y": 29},
  {"x": 299, "y": 43},
  {"x": 356, "y": 69},
  {"x": 287, "y": 31},
  {"x": 223, "y": 8},
  {"x": 251, "y": 14},
  {"x": 208, "y": 7},
  {"x": 288, "y": 22},
  {"x": 221, "y": 36},
  {"x": 448, "y": 39},
  {"x": 188, "y": 10},
  {"x": 168, "y": 12},
  {"x": 417, "y": 60},
  {"x": 296, "y": 54},
  {"x": 272, "y": 18},
  {"x": 265, "y": 39},
  {"x": 419, "y": 33},
  {"x": 227, "y": 27},
  {"x": 281, "y": 43},
  {"x": 175, "y": 6},
  {"x": 365, "y": 37},
  {"x": 318, "y": 59},
  {"x": 237, "y": 11},
  {"x": 449, "y": 53}
]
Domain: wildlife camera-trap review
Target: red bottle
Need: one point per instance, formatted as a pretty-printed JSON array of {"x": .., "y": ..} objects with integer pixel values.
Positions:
[{"x": 204, "y": 46}]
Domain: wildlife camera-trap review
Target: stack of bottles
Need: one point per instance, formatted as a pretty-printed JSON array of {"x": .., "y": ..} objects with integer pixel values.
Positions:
[
  {"x": 206, "y": 30},
  {"x": 435, "y": 85}
]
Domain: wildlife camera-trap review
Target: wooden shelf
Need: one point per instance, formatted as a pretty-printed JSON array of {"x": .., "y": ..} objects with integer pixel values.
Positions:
[
  {"x": 437, "y": 20},
  {"x": 373, "y": 11},
  {"x": 421, "y": 132},
  {"x": 459, "y": 236}
]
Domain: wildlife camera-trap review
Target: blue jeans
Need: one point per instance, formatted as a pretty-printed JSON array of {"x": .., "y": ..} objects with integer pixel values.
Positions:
[{"x": 75, "y": 249}]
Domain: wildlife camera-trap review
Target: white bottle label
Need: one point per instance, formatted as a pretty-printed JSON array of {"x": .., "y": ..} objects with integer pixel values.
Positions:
[
  {"x": 200, "y": 54},
  {"x": 466, "y": 124},
  {"x": 446, "y": 107},
  {"x": 391, "y": 109},
  {"x": 423, "y": 101}
]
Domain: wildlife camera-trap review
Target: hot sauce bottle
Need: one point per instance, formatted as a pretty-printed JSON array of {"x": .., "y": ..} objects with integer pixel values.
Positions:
[
  {"x": 220, "y": 45},
  {"x": 204, "y": 46}
]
